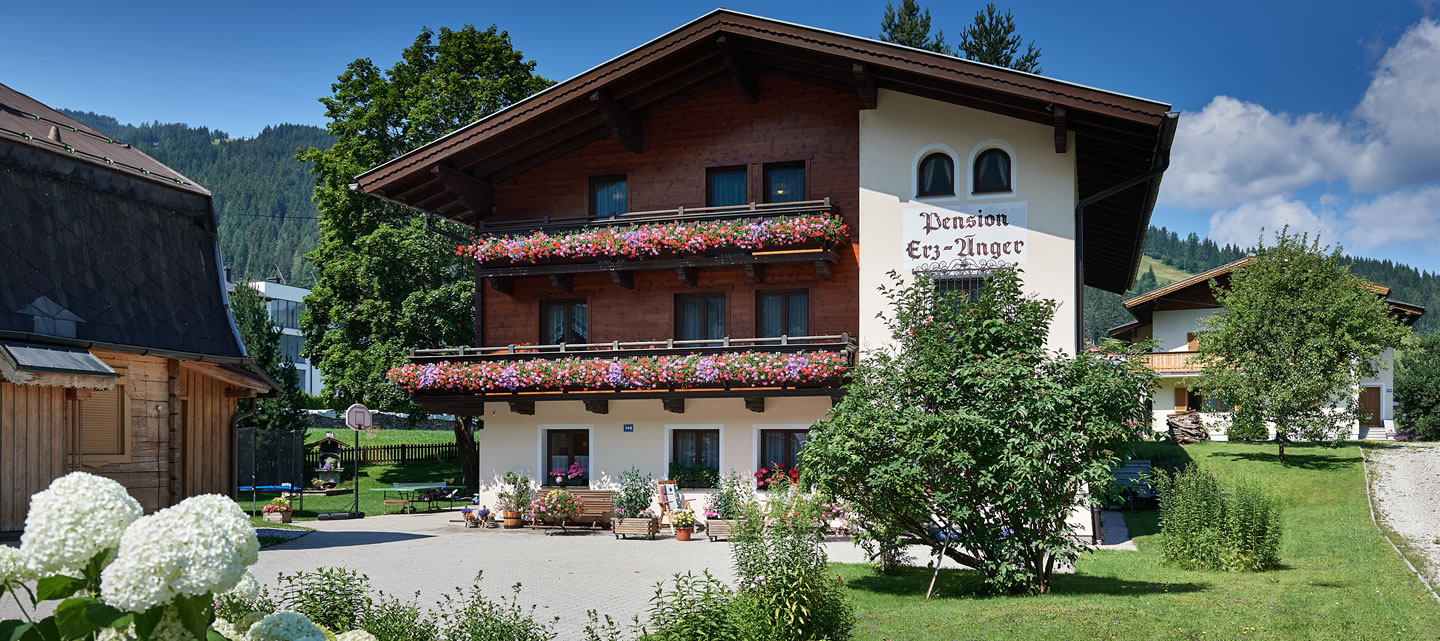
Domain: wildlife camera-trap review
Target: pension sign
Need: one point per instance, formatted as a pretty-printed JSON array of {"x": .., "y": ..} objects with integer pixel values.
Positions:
[{"x": 984, "y": 233}]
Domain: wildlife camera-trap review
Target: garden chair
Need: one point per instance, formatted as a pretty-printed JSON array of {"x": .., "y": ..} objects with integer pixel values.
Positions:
[{"x": 671, "y": 499}]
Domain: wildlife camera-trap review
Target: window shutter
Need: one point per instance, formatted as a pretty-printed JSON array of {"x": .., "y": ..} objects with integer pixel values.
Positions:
[
  {"x": 1191, "y": 342},
  {"x": 102, "y": 422},
  {"x": 1181, "y": 396}
]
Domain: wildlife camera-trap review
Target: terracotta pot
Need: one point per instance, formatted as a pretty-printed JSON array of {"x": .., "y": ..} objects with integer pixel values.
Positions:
[
  {"x": 512, "y": 520},
  {"x": 683, "y": 533},
  {"x": 278, "y": 517}
]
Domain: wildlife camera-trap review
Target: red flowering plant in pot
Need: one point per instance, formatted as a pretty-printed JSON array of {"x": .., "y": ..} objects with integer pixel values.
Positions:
[
  {"x": 277, "y": 510},
  {"x": 556, "y": 507},
  {"x": 776, "y": 477},
  {"x": 649, "y": 240}
]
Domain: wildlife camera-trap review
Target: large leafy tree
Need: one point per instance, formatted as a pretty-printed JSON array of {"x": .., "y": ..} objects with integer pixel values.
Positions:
[
  {"x": 970, "y": 437},
  {"x": 909, "y": 25},
  {"x": 386, "y": 284},
  {"x": 1417, "y": 388},
  {"x": 993, "y": 39},
  {"x": 262, "y": 342},
  {"x": 1295, "y": 333}
]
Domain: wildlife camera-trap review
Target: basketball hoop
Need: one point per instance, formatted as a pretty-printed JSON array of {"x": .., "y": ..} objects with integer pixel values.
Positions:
[{"x": 358, "y": 417}]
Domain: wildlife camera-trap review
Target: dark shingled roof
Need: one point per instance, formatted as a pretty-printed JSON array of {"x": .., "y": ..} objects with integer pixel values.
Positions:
[{"x": 120, "y": 254}]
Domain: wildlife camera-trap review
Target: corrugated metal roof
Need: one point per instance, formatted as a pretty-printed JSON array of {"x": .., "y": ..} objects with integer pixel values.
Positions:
[
  {"x": 36, "y": 357},
  {"x": 26, "y": 120}
]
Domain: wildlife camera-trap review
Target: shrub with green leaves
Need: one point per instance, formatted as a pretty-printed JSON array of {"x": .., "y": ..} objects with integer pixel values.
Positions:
[
  {"x": 636, "y": 493},
  {"x": 694, "y": 608},
  {"x": 1245, "y": 426},
  {"x": 694, "y": 476},
  {"x": 729, "y": 500},
  {"x": 1207, "y": 525}
]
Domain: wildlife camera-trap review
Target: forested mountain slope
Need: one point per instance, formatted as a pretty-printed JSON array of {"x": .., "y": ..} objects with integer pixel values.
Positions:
[{"x": 262, "y": 194}]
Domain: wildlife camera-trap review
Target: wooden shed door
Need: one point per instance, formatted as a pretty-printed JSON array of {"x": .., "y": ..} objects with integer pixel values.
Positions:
[
  {"x": 1370, "y": 407},
  {"x": 1181, "y": 397}
]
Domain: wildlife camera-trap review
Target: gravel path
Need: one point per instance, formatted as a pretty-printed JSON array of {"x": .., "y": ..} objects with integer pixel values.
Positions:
[{"x": 1406, "y": 490}]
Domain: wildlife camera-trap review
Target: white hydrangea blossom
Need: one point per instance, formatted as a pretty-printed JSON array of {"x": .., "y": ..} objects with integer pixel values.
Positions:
[
  {"x": 228, "y": 630},
  {"x": 246, "y": 590},
  {"x": 355, "y": 635},
  {"x": 79, "y": 516},
  {"x": 169, "y": 629},
  {"x": 286, "y": 626},
  {"x": 201, "y": 545},
  {"x": 13, "y": 566}
]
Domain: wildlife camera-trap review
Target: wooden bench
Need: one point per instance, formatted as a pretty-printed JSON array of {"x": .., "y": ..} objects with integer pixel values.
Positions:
[
  {"x": 599, "y": 505},
  {"x": 1133, "y": 479}
]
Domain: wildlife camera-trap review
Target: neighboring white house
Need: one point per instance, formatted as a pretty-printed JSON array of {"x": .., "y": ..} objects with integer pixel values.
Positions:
[
  {"x": 285, "y": 302},
  {"x": 1174, "y": 313}
]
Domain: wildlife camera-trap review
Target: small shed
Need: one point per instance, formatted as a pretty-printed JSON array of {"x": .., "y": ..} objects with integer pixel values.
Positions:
[{"x": 331, "y": 460}]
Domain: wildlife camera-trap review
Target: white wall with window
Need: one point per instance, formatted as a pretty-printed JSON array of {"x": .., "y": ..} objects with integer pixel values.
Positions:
[{"x": 285, "y": 303}]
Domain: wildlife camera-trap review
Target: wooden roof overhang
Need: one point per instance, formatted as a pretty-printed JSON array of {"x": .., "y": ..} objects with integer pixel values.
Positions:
[{"x": 1117, "y": 137}]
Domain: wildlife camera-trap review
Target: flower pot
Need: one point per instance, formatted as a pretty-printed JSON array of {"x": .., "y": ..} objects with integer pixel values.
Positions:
[
  {"x": 718, "y": 529},
  {"x": 647, "y": 528},
  {"x": 512, "y": 520},
  {"x": 683, "y": 533},
  {"x": 278, "y": 517}
]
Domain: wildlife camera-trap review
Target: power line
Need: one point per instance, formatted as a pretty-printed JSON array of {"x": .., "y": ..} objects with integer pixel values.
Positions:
[{"x": 273, "y": 216}]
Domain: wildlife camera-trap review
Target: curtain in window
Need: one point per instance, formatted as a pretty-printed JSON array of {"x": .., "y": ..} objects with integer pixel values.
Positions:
[
  {"x": 727, "y": 188},
  {"x": 685, "y": 447},
  {"x": 937, "y": 175},
  {"x": 553, "y": 323},
  {"x": 771, "y": 309},
  {"x": 609, "y": 197},
  {"x": 773, "y": 449},
  {"x": 799, "y": 313},
  {"x": 690, "y": 325},
  {"x": 784, "y": 184},
  {"x": 577, "y": 323},
  {"x": 992, "y": 171},
  {"x": 709, "y": 449},
  {"x": 715, "y": 318}
]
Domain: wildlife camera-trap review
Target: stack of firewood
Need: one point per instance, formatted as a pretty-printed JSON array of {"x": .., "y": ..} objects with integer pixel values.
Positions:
[{"x": 1186, "y": 428}]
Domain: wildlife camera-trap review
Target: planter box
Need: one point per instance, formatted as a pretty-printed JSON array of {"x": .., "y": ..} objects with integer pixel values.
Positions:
[
  {"x": 278, "y": 517},
  {"x": 647, "y": 528},
  {"x": 718, "y": 529},
  {"x": 512, "y": 520}
]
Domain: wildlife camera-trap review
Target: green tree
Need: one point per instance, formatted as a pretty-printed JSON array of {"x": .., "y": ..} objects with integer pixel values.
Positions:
[
  {"x": 1417, "y": 388},
  {"x": 262, "y": 342},
  {"x": 385, "y": 284},
  {"x": 992, "y": 39},
  {"x": 909, "y": 25},
  {"x": 970, "y": 437},
  {"x": 1295, "y": 333}
]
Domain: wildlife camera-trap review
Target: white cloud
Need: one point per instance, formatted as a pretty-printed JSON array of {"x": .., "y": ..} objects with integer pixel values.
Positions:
[
  {"x": 1241, "y": 225},
  {"x": 1406, "y": 217},
  {"x": 1233, "y": 152}
]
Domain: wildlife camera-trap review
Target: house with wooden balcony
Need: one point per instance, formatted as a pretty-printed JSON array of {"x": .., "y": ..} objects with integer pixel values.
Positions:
[
  {"x": 1174, "y": 314},
  {"x": 678, "y": 252}
]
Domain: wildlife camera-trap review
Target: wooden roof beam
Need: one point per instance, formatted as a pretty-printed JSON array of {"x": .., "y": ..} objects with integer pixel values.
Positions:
[
  {"x": 623, "y": 124},
  {"x": 740, "y": 69},
  {"x": 1061, "y": 121},
  {"x": 477, "y": 195},
  {"x": 865, "y": 86}
]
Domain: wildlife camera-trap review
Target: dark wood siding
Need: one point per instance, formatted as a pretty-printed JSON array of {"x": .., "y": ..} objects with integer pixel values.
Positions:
[
  {"x": 32, "y": 447},
  {"x": 793, "y": 121}
]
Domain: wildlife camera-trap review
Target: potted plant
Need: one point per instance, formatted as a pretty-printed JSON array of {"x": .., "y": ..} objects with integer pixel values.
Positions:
[
  {"x": 724, "y": 508},
  {"x": 574, "y": 475},
  {"x": 684, "y": 522},
  {"x": 278, "y": 510},
  {"x": 556, "y": 507},
  {"x": 517, "y": 494},
  {"x": 632, "y": 506}
]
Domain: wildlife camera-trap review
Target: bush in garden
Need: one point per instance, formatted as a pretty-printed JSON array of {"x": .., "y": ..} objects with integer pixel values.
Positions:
[
  {"x": 1206, "y": 526},
  {"x": 1417, "y": 388},
  {"x": 335, "y": 598},
  {"x": 636, "y": 493},
  {"x": 472, "y": 616},
  {"x": 694, "y": 476},
  {"x": 1245, "y": 426},
  {"x": 695, "y": 607},
  {"x": 729, "y": 498}
]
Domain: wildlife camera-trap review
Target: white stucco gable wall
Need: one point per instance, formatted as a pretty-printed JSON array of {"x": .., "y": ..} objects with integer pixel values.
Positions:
[{"x": 898, "y": 133}]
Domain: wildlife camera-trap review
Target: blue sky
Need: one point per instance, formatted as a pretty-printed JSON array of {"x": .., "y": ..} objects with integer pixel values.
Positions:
[{"x": 1313, "y": 113}]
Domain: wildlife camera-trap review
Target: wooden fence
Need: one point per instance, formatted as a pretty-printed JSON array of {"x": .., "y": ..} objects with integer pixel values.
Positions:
[{"x": 391, "y": 454}]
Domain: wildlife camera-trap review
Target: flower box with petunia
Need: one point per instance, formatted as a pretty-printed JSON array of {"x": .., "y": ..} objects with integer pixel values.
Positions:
[
  {"x": 749, "y": 368},
  {"x": 649, "y": 240}
]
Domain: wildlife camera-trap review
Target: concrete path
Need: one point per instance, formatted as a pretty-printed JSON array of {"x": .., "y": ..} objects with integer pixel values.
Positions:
[{"x": 1406, "y": 492}]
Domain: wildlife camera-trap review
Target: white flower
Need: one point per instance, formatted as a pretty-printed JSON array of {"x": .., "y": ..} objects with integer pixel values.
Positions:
[
  {"x": 246, "y": 590},
  {"x": 169, "y": 629},
  {"x": 286, "y": 626},
  {"x": 199, "y": 546},
  {"x": 79, "y": 516},
  {"x": 13, "y": 567},
  {"x": 228, "y": 630},
  {"x": 356, "y": 635}
]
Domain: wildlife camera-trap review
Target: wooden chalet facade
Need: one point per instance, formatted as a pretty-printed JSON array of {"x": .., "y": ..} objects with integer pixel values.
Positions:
[
  {"x": 785, "y": 159},
  {"x": 118, "y": 355},
  {"x": 1174, "y": 314}
]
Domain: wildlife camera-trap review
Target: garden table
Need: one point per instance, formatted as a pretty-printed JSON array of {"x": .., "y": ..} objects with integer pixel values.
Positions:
[{"x": 409, "y": 494}]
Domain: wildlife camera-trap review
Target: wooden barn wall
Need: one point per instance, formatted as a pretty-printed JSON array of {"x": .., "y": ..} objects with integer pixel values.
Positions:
[
  {"x": 207, "y": 443},
  {"x": 793, "y": 121},
  {"x": 146, "y": 475},
  {"x": 32, "y": 447}
]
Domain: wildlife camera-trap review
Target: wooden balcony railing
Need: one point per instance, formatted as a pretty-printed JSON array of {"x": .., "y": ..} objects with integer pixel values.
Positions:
[
  {"x": 752, "y": 210},
  {"x": 1173, "y": 362},
  {"x": 621, "y": 349}
]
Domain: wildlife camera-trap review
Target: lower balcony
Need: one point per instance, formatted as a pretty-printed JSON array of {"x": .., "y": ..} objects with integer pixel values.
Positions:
[
  {"x": 462, "y": 380},
  {"x": 1173, "y": 362}
]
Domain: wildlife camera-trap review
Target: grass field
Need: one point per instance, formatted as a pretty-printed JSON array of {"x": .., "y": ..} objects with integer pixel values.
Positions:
[
  {"x": 386, "y": 437},
  {"x": 372, "y": 475},
  {"x": 1339, "y": 579},
  {"x": 1164, "y": 274}
]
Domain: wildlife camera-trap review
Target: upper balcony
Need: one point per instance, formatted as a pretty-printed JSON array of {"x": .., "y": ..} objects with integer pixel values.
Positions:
[
  {"x": 461, "y": 380},
  {"x": 682, "y": 239},
  {"x": 1173, "y": 363}
]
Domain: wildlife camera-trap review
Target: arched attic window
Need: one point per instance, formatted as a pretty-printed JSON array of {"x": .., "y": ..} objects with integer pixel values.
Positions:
[
  {"x": 992, "y": 172},
  {"x": 935, "y": 176}
]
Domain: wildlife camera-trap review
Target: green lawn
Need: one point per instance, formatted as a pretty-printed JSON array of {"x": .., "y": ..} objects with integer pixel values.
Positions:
[
  {"x": 386, "y": 437},
  {"x": 1339, "y": 579},
  {"x": 1164, "y": 274},
  {"x": 372, "y": 475}
]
